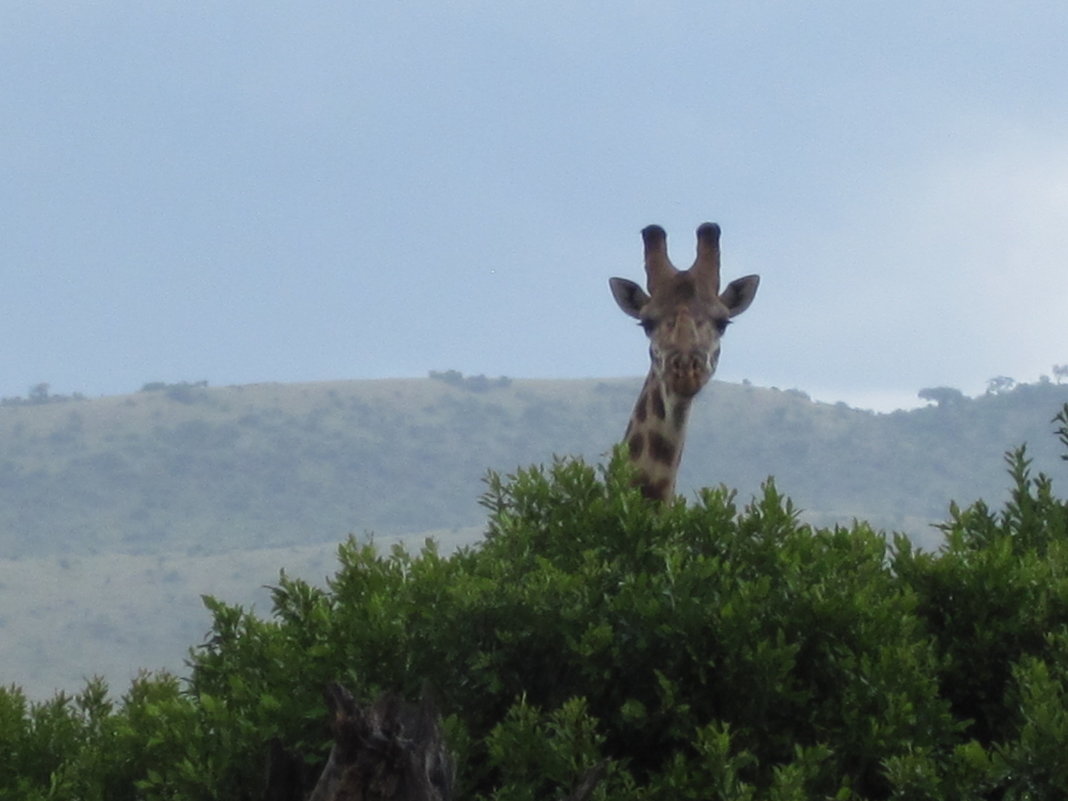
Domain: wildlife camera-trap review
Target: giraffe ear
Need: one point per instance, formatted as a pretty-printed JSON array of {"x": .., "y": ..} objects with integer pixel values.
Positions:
[
  {"x": 740, "y": 293},
  {"x": 628, "y": 295}
]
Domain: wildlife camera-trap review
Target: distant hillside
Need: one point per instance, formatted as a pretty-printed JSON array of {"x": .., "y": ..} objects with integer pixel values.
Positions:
[
  {"x": 200, "y": 470},
  {"x": 898, "y": 471},
  {"x": 117, "y": 513}
]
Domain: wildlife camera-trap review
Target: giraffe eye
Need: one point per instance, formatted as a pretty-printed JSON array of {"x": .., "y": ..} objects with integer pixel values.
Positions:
[
  {"x": 721, "y": 325},
  {"x": 648, "y": 325}
]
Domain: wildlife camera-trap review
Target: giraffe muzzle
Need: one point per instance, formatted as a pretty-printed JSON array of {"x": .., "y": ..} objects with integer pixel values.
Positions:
[{"x": 687, "y": 373}]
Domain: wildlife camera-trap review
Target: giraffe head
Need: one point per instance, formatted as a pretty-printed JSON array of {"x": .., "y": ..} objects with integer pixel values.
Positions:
[{"x": 684, "y": 313}]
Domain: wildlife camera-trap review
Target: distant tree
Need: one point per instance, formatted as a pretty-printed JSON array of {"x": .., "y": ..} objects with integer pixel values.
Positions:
[
  {"x": 999, "y": 384},
  {"x": 472, "y": 383},
  {"x": 452, "y": 377},
  {"x": 943, "y": 396},
  {"x": 1060, "y": 372},
  {"x": 39, "y": 393}
]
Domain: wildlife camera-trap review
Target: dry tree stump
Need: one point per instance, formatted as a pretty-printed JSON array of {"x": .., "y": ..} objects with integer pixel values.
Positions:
[{"x": 390, "y": 751}]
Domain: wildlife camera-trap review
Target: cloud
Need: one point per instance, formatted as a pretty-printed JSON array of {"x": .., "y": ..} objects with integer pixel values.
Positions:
[
  {"x": 990, "y": 230},
  {"x": 955, "y": 272}
]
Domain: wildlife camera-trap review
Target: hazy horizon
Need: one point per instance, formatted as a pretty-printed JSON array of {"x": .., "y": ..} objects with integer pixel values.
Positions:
[{"x": 882, "y": 402}]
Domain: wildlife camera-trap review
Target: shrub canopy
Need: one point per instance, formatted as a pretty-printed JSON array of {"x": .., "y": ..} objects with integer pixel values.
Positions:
[{"x": 698, "y": 650}]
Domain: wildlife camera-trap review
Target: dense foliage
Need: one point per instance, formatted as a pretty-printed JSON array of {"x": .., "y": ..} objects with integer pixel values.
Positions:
[{"x": 698, "y": 651}]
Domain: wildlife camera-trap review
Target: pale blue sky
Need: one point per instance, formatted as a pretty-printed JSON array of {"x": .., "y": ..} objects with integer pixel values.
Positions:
[{"x": 248, "y": 192}]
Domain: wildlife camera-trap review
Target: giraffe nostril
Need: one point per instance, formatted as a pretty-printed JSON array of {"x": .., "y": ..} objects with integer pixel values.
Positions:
[{"x": 688, "y": 362}]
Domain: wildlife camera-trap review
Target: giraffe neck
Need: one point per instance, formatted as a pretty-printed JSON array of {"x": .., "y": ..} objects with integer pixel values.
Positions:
[{"x": 655, "y": 436}]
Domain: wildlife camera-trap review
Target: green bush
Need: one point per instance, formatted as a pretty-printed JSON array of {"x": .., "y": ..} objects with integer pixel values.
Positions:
[{"x": 704, "y": 650}]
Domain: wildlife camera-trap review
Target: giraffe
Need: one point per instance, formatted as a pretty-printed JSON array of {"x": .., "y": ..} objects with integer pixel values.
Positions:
[{"x": 684, "y": 315}]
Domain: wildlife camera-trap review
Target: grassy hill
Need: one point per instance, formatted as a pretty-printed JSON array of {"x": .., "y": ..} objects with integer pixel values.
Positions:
[
  {"x": 209, "y": 470},
  {"x": 115, "y": 513}
]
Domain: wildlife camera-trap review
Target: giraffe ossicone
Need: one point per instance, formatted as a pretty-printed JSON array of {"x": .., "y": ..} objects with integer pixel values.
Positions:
[{"x": 685, "y": 315}]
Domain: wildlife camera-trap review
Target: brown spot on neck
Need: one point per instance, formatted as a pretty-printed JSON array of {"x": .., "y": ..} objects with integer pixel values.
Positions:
[
  {"x": 662, "y": 449},
  {"x": 656, "y": 490}
]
